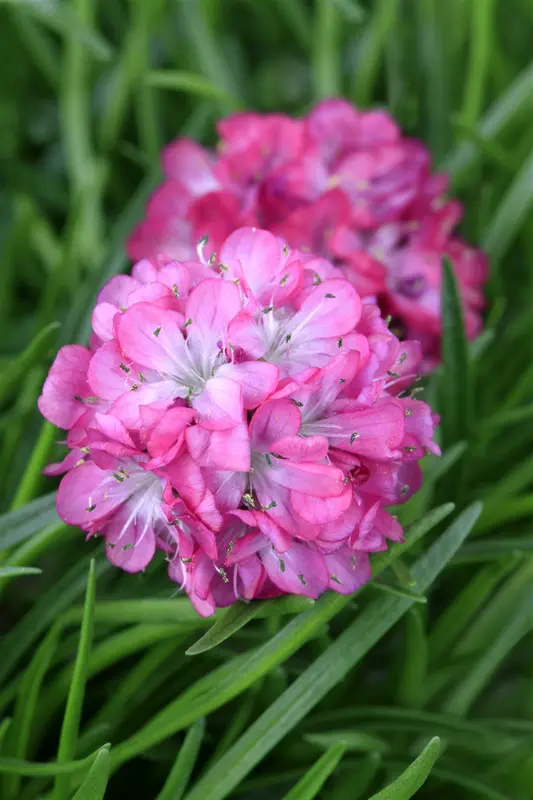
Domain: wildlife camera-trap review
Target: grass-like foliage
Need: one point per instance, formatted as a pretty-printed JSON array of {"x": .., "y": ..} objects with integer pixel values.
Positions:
[{"x": 422, "y": 682}]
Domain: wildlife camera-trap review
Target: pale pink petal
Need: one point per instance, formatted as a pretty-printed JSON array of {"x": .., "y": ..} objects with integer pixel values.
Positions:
[
  {"x": 87, "y": 494},
  {"x": 152, "y": 337},
  {"x": 258, "y": 380},
  {"x": 332, "y": 309},
  {"x": 348, "y": 570},
  {"x": 185, "y": 161},
  {"x": 321, "y": 510},
  {"x": 299, "y": 570},
  {"x": 65, "y": 388},
  {"x": 318, "y": 480},
  {"x": 273, "y": 421},
  {"x": 222, "y": 450},
  {"x": 102, "y": 320},
  {"x": 300, "y": 448},
  {"x": 130, "y": 544},
  {"x": 219, "y": 406}
]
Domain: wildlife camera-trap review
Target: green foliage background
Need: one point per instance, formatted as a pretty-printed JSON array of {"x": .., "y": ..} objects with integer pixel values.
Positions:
[{"x": 290, "y": 699}]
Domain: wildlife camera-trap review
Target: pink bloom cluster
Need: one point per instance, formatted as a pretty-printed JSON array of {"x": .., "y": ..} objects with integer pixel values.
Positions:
[
  {"x": 340, "y": 183},
  {"x": 244, "y": 415}
]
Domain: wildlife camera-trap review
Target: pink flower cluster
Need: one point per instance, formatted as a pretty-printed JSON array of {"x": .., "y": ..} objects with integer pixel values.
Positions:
[
  {"x": 340, "y": 183},
  {"x": 244, "y": 415}
]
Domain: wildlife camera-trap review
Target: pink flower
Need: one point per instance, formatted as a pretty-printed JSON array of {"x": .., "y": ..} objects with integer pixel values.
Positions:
[
  {"x": 246, "y": 416},
  {"x": 340, "y": 183}
]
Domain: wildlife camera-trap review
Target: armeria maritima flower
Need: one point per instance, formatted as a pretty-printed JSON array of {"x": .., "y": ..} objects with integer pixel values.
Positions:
[
  {"x": 246, "y": 416},
  {"x": 340, "y": 183}
]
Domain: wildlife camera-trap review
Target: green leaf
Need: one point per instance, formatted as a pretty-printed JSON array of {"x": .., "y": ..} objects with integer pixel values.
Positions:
[
  {"x": 180, "y": 773},
  {"x": 18, "y": 572},
  {"x": 94, "y": 785},
  {"x": 71, "y": 721},
  {"x": 52, "y": 602},
  {"x": 63, "y": 19},
  {"x": 410, "y": 781},
  {"x": 313, "y": 781},
  {"x": 371, "y": 50},
  {"x": 353, "y": 741},
  {"x": 413, "y": 671},
  {"x": 191, "y": 84},
  {"x": 511, "y": 213},
  {"x": 35, "y": 769},
  {"x": 27, "y": 703},
  {"x": 516, "y": 100},
  {"x": 328, "y": 670},
  {"x": 455, "y": 388},
  {"x": 479, "y": 61},
  {"x": 35, "y": 351},
  {"x": 16, "y": 526},
  {"x": 233, "y": 620},
  {"x": 233, "y": 678},
  {"x": 326, "y": 67}
]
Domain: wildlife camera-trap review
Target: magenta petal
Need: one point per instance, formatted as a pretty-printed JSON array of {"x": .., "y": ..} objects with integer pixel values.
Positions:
[
  {"x": 152, "y": 337},
  {"x": 168, "y": 430},
  {"x": 219, "y": 406},
  {"x": 224, "y": 450},
  {"x": 321, "y": 510},
  {"x": 102, "y": 320},
  {"x": 130, "y": 544},
  {"x": 332, "y": 309},
  {"x": 87, "y": 494},
  {"x": 348, "y": 570},
  {"x": 319, "y": 480},
  {"x": 66, "y": 383},
  {"x": 185, "y": 161},
  {"x": 257, "y": 380},
  {"x": 299, "y": 570},
  {"x": 211, "y": 306},
  {"x": 272, "y": 421},
  {"x": 302, "y": 448}
]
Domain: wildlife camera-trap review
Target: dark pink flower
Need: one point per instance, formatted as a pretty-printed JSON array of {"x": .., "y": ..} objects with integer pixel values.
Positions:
[
  {"x": 243, "y": 415},
  {"x": 341, "y": 184}
]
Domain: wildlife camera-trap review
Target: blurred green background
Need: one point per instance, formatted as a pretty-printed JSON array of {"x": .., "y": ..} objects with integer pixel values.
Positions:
[{"x": 90, "y": 91}]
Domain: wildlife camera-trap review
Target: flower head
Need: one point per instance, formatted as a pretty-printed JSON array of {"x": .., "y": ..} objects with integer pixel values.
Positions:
[
  {"x": 340, "y": 183},
  {"x": 244, "y": 415}
]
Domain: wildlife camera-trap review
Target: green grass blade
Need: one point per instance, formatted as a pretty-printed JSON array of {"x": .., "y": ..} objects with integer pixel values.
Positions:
[
  {"x": 190, "y": 83},
  {"x": 233, "y": 620},
  {"x": 24, "y": 522},
  {"x": 515, "y": 101},
  {"x": 180, "y": 773},
  {"x": 371, "y": 50},
  {"x": 62, "y": 19},
  {"x": 412, "y": 677},
  {"x": 455, "y": 384},
  {"x": 27, "y": 704},
  {"x": 71, "y": 721},
  {"x": 18, "y": 572},
  {"x": 94, "y": 785},
  {"x": 328, "y": 670},
  {"x": 479, "y": 60},
  {"x": 511, "y": 213},
  {"x": 410, "y": 781},
  {"x": 326, "y": 67},
  {"x": 34, "y": 769},
  {"x": 232, "y": 679},
  {"x": 313, "y": 781},
  {"x": 353, "y": 741},
  {"x": 13, "y": 374},
  {"x": 53, "y": 602}
]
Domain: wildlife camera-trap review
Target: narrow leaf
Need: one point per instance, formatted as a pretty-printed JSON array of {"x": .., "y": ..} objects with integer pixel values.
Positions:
[
  {"x": 71, "y": 721},
  {"x": 94, "y": 785},
  {"x": 353, "y": 741},
  {"x": 410, "y": 781},
  {"x": 312, "y": 782},
  {"x": 328, "y": 670},
  {"x": 180, "y": 773},
  {"x": 233, "y": 620},
  {"x": 455, "y": 390},
  {"x": 18, "y": 572}
]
